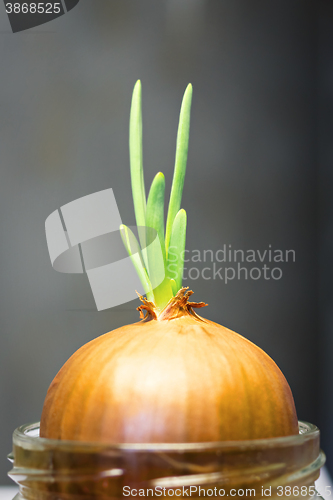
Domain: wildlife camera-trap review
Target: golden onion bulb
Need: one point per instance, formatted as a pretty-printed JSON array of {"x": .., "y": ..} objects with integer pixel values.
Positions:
[{"x": 170, "y": 378}]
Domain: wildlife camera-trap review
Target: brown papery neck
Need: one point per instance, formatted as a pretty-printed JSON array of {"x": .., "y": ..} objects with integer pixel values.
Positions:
[{"x": 177, "y": 307}]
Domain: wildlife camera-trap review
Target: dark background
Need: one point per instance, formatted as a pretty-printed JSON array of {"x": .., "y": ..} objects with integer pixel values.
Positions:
[{"x": 259, "y": 174}]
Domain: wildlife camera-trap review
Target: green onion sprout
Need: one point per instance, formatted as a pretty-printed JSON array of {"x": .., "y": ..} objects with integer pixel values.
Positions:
[{"x": 148, "y": 263}]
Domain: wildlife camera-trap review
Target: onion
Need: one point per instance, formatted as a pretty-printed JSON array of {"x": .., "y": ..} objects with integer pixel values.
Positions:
[{"x": 173, "y": 377}]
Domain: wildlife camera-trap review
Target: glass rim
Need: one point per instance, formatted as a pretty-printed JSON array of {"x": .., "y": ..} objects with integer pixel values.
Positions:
[{"x": 28, "y": 435}]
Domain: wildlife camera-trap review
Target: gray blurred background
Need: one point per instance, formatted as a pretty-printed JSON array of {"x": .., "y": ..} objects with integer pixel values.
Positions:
[{"x": 259, "y": 174}]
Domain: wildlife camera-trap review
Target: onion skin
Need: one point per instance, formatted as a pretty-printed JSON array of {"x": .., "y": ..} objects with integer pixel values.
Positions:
[{"x": 169, "y": 379}]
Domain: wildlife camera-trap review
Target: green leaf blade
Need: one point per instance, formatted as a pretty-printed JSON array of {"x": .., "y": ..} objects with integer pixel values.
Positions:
[
  {"x": 133, "y": 249},
  {"x": 156, "y": 250},
  {"x": 173, "y": 286},
  {"x": 180, "y": 163},
  {"x": 136, "y": 162},
  {"x": 175, "y": 262},
  {"x": 155, "y": 206}
]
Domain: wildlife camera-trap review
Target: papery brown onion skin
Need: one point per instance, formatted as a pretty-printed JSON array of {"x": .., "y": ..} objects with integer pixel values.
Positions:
[{"x": 176, "y": 380}]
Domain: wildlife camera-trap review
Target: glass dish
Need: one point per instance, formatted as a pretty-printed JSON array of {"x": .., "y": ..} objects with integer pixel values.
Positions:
[{"x": 280, "y": 468}]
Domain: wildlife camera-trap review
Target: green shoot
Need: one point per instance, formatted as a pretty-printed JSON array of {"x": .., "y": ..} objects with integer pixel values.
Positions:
[
  {"x": 180, "y": 163},
  {"x": 175, "y": 263},
  {"x": 173, "y": 286},
  {"x": 160, "y": 261},
  {"x": 133, "y": 249},
  {"x": 156, "y": 256},
  {"x": 135, "y": 141},
  {"x": 136, "y": 162},
  {"x": 155, "y": 206}
]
